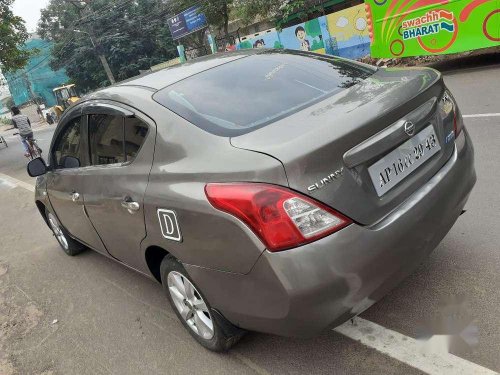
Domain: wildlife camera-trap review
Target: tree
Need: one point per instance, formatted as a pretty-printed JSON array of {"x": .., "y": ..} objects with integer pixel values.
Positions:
[
  {"x": 279, "y": 10},
  {"x": 13, "y": 34},
  {"x": 133, "y": 35},
  {"x": 248, "y": 10}
]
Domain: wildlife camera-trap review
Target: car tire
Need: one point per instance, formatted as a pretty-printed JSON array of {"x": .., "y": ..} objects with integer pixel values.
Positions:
[
  {"x": 207, "y": 326},
  {"x": 70, "y": 246}
]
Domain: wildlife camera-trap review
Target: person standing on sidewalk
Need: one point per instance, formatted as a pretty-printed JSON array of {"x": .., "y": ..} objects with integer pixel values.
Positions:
[{"x": 22, "y": 123}]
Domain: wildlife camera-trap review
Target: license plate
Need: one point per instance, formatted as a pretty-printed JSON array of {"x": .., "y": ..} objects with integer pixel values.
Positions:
[{"x": 401, "y": 162}]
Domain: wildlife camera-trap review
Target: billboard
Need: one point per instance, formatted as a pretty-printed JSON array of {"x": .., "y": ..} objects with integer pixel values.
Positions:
[
  {"x": 187, "y": 22},
  {"x": 401, "y": 28}
]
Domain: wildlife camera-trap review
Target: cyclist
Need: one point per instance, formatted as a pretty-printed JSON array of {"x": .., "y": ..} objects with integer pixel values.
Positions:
[{"x": 23, "y": 124}]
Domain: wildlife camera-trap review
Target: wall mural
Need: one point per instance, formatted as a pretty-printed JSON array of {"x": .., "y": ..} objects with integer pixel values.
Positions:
[
  {"x": 343, "y": 33},
  {"x": 427, "y": 27},
  {"x": 349, "y": 35},
  {"x": 306, "y": 36},
  {"x": 263, "y": 39}
]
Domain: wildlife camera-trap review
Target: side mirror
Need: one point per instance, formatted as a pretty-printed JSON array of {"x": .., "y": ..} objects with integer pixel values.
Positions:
[
  {"x": 70, "y": 162},
  {"x": 36, "y": 167}
]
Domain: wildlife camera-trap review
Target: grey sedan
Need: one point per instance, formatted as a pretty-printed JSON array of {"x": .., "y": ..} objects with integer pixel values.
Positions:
[{"x": 275, "y": 191}]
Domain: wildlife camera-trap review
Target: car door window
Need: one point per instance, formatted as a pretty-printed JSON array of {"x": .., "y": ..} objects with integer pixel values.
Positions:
[
  {"x": 68, "y": 144},
  {"x": 106, "y": 139},
  {"x": 135, "y": 134}
]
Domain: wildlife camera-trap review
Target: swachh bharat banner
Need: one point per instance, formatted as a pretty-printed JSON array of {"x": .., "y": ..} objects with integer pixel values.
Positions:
[{"x": 401, "y": 28}]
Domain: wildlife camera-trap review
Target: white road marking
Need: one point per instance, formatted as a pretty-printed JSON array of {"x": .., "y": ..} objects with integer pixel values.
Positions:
[
  {"x": 408, "y": 350},
  {"x": 14, "y": 181},
  {"x": 482, "y": 115}
]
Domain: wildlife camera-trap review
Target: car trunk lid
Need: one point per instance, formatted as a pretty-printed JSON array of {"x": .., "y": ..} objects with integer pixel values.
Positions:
[{"x": 328, "y": 148}]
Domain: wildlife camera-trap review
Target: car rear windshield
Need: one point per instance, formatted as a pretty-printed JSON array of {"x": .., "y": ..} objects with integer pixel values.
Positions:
[{"x": 243, "y": 95}]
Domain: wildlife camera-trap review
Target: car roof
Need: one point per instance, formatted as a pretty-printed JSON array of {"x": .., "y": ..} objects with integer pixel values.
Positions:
[{"x": 165, "y": 77}]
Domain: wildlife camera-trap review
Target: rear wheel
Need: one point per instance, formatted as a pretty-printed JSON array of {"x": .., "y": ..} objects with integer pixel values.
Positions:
[
  {"x": 206, "y": 325},
  {"x": 69, "y": 245}
]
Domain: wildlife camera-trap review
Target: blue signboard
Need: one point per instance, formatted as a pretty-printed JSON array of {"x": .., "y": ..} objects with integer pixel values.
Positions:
[{"x": 187, "y": 22}]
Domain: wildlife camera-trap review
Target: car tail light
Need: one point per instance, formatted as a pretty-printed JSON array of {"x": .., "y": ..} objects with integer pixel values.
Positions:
[
  {"x": 281, "y": 218},
  {"x": 458, "y": 121},
  {"x": 448, "y": 105}
]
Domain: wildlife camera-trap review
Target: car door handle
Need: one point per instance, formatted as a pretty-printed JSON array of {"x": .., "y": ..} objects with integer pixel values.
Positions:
[
  {"x": 130, "y": 205},
  {"x": 75, "y": 197}
]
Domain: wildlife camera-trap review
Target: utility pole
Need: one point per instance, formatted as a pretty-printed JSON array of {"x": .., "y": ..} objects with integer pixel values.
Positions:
[
  {"x": 93, "y": 40},
  {"x": 101, "y": 56},
  {"x": 32, "y": 94}
]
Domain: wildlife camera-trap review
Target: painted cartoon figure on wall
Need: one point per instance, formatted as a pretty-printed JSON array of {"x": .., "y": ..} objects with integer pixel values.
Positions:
[
  {"x": 301, "y": 35},
  {"x": 265, "y": 39},
  {"x": 259, "y": 43},
  {"x": 307, "y": 36}
]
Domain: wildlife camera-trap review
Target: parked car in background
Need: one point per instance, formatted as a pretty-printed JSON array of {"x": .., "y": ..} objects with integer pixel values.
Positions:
[{"x": 275, "y": 191}]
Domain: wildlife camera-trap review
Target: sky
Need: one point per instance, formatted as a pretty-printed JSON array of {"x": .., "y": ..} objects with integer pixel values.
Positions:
[{"x": 30, "y": 11}]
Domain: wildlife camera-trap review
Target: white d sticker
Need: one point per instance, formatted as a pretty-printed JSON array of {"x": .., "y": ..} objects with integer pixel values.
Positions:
[{"x": 169, "y": 225}]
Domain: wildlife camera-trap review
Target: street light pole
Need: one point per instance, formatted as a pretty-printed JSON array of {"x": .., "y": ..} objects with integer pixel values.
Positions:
[{"x": 101, "y": 56}]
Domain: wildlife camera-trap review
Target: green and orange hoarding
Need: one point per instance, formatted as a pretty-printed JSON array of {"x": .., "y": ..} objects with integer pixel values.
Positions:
[{"x": 402, "y": 28}]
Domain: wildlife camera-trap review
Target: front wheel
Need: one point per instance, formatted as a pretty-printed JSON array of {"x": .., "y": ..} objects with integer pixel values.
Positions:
[
  {"x": 35, "y": 151},
  {"x": 206, "y": 325},
  {"x": 69, "y": 245}
]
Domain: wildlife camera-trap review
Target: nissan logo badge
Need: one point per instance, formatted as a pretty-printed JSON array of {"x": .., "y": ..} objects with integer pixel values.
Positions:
[{"x": 409, "y": 128}]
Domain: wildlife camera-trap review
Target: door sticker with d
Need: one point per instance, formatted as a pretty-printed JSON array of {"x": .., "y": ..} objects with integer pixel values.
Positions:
[{"x": 169, "y": 225}]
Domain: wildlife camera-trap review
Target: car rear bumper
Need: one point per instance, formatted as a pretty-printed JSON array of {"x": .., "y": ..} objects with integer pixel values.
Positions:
[{"x": 302, "y": 291}]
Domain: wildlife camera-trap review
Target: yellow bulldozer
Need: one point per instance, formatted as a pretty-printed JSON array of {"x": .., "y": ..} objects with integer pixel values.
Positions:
[{"x": 65, "y": 96}]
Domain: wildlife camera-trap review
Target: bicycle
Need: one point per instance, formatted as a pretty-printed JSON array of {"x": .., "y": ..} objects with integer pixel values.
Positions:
[
  {"x": 34, "y": 151},
  {"x": 3, "y": 142}
]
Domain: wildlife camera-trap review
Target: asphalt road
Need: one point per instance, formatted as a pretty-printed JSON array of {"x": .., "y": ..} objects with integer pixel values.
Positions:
[{"x": 89, "y": 315}]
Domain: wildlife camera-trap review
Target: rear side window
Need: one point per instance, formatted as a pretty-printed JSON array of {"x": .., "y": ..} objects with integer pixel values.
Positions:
[
  {"x": 135, "y": 134},
  {"x": 68, "y": 143},
  {"x": 252, "y": 92},
  {"x": 115, "y": 139},
  {"x": 106, "y": 139}
]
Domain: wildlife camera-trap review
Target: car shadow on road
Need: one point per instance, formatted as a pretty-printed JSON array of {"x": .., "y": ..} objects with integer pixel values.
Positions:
[{"x": 329, "y": 353}]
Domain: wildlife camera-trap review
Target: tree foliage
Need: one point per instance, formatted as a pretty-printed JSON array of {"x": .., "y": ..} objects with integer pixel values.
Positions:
[
  {"x": 279, "y": 10},
  {"x": 133, "y": 35},
  {"x": 220, "y": 12},
  {"x": 249, "y": 10},
  {"x": 13, "y": 34}
]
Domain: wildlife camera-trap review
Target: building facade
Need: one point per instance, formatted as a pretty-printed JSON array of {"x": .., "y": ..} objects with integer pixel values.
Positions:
[
  {"x": 5, "y": 97},
  {"x": 37, "y": 80}
]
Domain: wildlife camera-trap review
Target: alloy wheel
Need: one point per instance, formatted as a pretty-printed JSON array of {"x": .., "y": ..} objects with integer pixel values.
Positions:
[
  {"x": 190, "y": 305},
  {"x": 58, "y": 233}
]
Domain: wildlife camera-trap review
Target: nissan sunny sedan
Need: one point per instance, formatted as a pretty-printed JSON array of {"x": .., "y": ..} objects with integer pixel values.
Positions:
[{"x": 275, "y": 191}]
